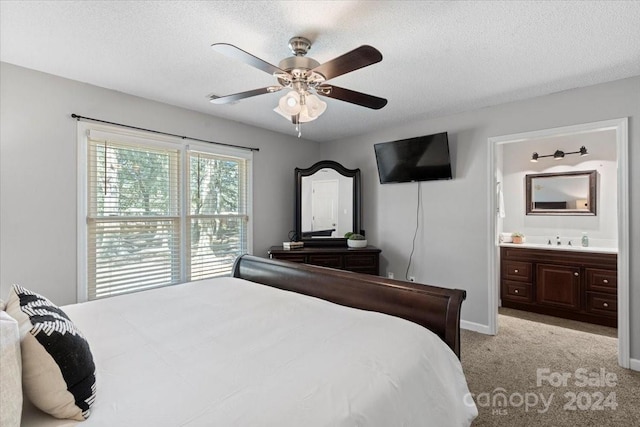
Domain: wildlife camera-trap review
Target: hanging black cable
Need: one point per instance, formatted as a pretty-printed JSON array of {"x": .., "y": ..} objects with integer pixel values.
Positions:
[
  {"x": 415, "y": 234},
  {"x": 78, "y": 117}
]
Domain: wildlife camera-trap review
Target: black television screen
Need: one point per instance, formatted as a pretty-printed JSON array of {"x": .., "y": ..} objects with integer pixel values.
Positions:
[{"x": 423, "y": 158}]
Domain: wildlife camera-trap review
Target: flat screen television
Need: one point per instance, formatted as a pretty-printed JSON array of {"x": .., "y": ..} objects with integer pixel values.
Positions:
[{"x": 423, "y": 158}]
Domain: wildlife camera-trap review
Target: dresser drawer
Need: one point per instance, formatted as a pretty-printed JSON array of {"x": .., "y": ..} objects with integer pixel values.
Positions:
[
  {"x": 517, "y": 270},
  {"x": 362, "y": 263},
  {"x": 326, "y": 260},
  {"x": 517, "y": 291},
  {"x": 601, "y": 280},
  {"x": 602, "y": 304},
  {"x": 293, "y": 257},
  {"x": 360, "y": 260},
  {"x": 365, "y": 260}
]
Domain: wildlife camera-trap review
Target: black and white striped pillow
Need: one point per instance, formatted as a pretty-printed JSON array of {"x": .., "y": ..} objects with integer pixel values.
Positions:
[{"x": 58, "y": 373}]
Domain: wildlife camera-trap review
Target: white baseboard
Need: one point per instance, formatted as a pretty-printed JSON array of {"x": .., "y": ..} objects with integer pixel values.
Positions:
[
  {"x": 476, "y": 327},
  {"x": 634, "y": 364}
]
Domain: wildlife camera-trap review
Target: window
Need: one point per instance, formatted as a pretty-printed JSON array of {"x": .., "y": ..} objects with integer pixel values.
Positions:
[{"x": 156, "y": 212}]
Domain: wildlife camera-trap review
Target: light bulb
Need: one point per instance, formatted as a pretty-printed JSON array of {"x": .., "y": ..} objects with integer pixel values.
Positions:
[
  {"x": 315, "y": 106},
  {"x": 290, "y": 103}
]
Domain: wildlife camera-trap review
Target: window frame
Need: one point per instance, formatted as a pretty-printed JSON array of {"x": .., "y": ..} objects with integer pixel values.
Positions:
[{"x": 184, "y": 146}]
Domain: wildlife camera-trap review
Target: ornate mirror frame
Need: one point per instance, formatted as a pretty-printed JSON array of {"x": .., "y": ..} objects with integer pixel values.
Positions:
[
  {"x": 591, "y": 198},
  {"x": 357, "y": 202}
]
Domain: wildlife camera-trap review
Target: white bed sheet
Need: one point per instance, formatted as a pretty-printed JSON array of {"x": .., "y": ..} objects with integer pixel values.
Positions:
[{"x": 228, "y": 352}]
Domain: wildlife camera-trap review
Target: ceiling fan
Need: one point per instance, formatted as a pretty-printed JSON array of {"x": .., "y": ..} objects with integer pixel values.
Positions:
[{"x": 306, "y": 78}]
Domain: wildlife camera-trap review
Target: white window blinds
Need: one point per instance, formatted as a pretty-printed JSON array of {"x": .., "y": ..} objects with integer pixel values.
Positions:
[
  {"x": 217, "y": 217},
  {"x": 159, "y": 214}
]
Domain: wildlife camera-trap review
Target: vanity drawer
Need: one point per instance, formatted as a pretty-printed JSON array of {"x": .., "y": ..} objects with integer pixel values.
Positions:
[
  {"x": 601, "y": 280},
  {"x": 602, "y": 304},
  {"x": 517, "y": 270},
  {"x": 517, "y": 291}
]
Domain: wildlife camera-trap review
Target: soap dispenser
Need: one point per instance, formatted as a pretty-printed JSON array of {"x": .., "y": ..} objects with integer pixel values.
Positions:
[{"x": 585, "y": 240}]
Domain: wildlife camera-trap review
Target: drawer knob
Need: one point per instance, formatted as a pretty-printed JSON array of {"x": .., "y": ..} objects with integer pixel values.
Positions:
[
  {"x": 605, "y": 281},
  {"x": 604, "y": 304},
  {"x": 515, "y": 271},
  {"x": 575, "y": 274},
  {"x": 516, "y": 291}
]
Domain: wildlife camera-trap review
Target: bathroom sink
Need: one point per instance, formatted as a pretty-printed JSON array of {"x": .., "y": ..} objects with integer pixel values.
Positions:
[{"x": 576, "y": 248}]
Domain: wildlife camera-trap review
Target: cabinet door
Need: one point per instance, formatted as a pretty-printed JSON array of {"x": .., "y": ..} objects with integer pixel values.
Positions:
[{"x": 558, "y": 286}]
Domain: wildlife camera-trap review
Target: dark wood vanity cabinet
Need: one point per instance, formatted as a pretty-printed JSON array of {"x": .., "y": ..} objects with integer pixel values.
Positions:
[
  {"x": 558, "y": 286},
  {"x": 361, "y": 260},
  {"x": 571, "y": 284}
]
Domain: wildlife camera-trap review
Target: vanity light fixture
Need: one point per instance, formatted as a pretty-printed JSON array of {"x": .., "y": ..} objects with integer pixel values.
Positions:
[{"x": 559, "y": 154}]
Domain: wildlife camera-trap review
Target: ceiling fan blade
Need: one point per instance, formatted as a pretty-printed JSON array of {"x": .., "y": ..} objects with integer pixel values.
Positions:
[
  {"x": 214, "y": 99},
  {"x": 357, "y": 58},
  {"x": 351, "y": 96},
  {"x": 238, "y": 54}
]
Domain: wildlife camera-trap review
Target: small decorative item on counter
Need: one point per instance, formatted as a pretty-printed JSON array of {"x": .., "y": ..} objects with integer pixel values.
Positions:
[
  {"x": 585, "y": 240},
  {"x": 517, "y": 237},
  {"x": 355, "y": 240},
  {"x": 505, "y": 238}
]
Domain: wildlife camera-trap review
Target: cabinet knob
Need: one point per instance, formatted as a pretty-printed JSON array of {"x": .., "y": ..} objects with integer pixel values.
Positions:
[
  {"x": 604, "y": 304},
  {"x": 515, "y": 271},
  {"x": 516, "y": 291},
  {"x": 605, "y": 281},
  {"x": 576, "y": 274}
]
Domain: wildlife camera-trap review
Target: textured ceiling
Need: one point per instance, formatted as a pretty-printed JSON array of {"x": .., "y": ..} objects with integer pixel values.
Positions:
[{"x": 439, "y": 57}]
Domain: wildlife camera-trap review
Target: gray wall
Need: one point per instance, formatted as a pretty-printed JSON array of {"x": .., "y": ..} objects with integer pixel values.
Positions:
[
  {"x": 38, "y": 171},
  {"x": 602, "y": 229},
  {"x": 452, "y": 244},
  {"x": 38, "y": 180}
]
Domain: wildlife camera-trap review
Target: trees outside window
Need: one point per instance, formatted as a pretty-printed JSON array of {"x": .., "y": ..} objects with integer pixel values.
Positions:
[{"x": 149, "y": 223}]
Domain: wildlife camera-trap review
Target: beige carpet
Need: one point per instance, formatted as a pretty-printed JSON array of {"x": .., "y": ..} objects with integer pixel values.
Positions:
[{"x": 581, "y": 383}]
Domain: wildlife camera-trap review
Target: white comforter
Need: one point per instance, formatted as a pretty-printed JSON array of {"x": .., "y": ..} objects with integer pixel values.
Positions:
[{"x": 227, "y": 352}]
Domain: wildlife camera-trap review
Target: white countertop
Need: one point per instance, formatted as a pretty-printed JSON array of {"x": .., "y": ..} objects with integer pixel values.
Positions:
[{"x": 574, "y": 248}]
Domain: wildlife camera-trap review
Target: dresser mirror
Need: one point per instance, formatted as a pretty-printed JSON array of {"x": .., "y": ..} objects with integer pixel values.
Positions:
[
  {"x": 564, "y": 193},
  {"x": 327, "y": 203}
]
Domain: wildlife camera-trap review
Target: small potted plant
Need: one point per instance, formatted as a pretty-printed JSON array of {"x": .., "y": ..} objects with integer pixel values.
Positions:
[
  {"x": 355, "y": 240},
  {"x": 517, "y": 237}
]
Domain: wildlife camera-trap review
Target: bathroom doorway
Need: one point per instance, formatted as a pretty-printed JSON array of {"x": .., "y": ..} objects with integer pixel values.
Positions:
[{"x": 503, "y": 188}]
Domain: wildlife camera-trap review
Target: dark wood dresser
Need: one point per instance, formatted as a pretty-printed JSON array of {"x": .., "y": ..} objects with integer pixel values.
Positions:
[
  {"x": 571, "y": 284},
  {"x": 361, "y": 260}
]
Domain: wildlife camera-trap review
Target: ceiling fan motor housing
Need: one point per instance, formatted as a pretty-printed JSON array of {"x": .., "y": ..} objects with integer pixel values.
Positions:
[{"x": 298, "y": 67}]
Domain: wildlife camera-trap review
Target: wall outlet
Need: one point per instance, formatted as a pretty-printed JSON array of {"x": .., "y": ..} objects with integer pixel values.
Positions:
[
  {"x": 390, "y": 275},
  {"x": 412, "y": 278}
]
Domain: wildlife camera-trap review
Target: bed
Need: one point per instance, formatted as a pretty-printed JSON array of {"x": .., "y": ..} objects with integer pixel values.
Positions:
[{"x": 314, "y": 347}]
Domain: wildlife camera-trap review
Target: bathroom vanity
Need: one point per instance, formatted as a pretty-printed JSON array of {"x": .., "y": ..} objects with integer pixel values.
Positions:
[{"x": 573, "y": 283}]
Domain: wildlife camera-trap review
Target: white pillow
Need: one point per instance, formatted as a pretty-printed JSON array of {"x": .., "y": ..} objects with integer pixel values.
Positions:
[
  {"x": 10, "y": 372},
  {"x": 58, "y": 373}
]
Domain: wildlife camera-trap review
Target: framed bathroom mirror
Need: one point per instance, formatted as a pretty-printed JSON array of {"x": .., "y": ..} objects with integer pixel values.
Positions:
[
  {"x": 562, "y": 193},
  {"x": 327, "y": 203}
]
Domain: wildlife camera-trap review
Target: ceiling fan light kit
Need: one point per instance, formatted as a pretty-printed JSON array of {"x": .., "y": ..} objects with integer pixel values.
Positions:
[{"x": 305, "y": 78}]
